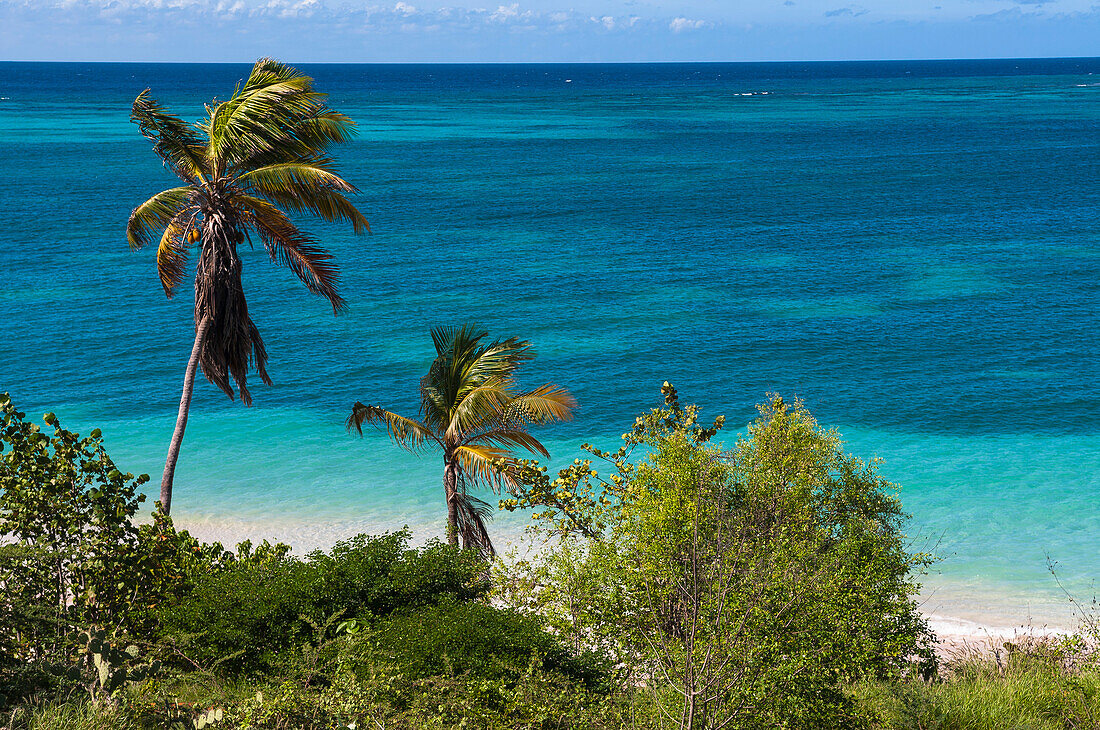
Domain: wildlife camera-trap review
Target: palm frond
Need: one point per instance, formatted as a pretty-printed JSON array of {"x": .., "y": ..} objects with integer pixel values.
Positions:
[
  {"x": 545, "y": 404},
  {"x": 267, "y": 72},
  {"x": 151, "y": 217},
  {"x": 464, "y": 367},
  {"x": 481, "y": 464},
  {"x": 299, "y": 252},
  {"x": 477, "y": 406},
  {"x": 172, "y": 251},
  {"x": 508, "y": 439},
  {"x": 435, "y": 405},
  {"x": 306, "y": 187},
  {"x": 497, "y": 360},
  {"x": 310, "y": 128},
  {"x": 175, "y": 141},
  {"x": 262, "y": 117},
  {"x": 470, "y": 386},
  {"x": 449, "y": 340},
  {"x": 302, "y": 140},
  {"x": 439, "y": 389},
  {"x": 407, "y": 432},
  {"x": 324, "y": 127},
  {"x": 289, "y": 176}
]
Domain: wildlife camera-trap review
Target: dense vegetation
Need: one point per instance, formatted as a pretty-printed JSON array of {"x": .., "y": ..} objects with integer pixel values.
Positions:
[{"x": 767, "y": 586}]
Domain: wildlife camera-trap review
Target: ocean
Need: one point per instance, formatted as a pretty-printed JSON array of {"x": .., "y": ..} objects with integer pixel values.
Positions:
[{"x": 913, "y": 248}]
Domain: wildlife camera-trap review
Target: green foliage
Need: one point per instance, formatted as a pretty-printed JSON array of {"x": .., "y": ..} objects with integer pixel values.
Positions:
[
  {"x": 70, "y": 713},
  {"x": 578, "y": 502},
  {"x": 532, "y": 699},
  {"x": 72, "y": 557},
  {"x": 1025, "y": 687},
  {"x": 258, "y": 611},
  {"x": 767, "y": 586},
  {"x": 172, "y": 560},
  {"x": 529, "y": 698},
  {"x": 742, "y": 585},
  {"x": 451, "y": 665},
  {"x": 470, "y": 638},
  {"x": 848, "y": 519},
  {"x": 79, "y": 578}
]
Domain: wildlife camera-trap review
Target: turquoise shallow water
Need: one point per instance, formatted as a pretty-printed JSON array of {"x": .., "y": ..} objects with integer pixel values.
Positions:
[{"x": 910, "y": 247}]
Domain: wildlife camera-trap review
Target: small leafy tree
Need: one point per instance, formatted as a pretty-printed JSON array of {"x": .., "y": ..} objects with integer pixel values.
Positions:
[
  {"x": 66, "y": 509},
  {"x": 744, "y": 586},
  {"x": 72, "y": 567}
]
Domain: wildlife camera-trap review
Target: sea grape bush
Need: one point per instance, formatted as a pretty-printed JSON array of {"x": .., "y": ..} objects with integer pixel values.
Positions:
[
  {"x": 74, "y": 563},
  {"x": 71, "y": 558}
]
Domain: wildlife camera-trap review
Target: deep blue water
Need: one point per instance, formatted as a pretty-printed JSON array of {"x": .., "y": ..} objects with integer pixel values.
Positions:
[{"x": 912, "y": 247}]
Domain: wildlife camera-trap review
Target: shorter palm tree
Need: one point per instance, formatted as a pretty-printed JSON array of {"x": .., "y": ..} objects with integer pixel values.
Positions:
[{"x": 473, "y": 411}]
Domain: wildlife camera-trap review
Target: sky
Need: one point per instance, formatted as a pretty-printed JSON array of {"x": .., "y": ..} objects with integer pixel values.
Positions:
[{"x": 358, "y": 31}]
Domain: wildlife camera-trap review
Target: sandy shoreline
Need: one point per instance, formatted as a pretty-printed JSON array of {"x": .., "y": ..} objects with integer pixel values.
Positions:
[{"x": 962, "y": 637}]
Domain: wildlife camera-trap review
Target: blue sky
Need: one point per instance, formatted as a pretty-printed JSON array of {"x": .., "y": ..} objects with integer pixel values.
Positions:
[{"x": 544, "y": 30}]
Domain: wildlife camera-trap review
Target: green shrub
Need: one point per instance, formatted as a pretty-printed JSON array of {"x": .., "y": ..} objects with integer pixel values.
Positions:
[
  {"x": 72, "y": 560},
  {"x": 744, "y": 587},
  {"x": 255, "y": 615},
  {"x": 375, "y": 576},
  {"x": 529, "y": 698},
  {"x": 453, "y": 639}
]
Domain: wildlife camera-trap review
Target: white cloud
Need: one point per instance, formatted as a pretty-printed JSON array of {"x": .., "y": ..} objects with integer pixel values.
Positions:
[
  {"x": 682, "y": 24},
  {"x": 399, "y": 16},
  {"x": 294, "y": 9},
  {"x": 223, "y": 7},
  {"x": 505, "y": 13}
]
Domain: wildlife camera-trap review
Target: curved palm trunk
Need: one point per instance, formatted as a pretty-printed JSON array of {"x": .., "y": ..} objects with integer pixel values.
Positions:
[
  {"x": 181, "y": 418},
  {"x": 450, "y": 488}
]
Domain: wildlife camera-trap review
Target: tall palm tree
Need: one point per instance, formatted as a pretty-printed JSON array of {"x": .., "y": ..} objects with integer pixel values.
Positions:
[
  {"x": 473, "y": 411},
  {"x": 253, "y": 156}
]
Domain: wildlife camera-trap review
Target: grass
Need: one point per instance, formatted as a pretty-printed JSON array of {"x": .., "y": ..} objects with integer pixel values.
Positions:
[
  {"x": 1030, "y": 688},
  {"x": 73, "y": 714}
]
